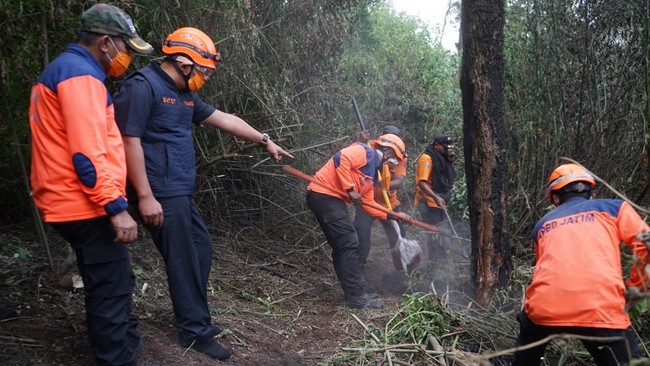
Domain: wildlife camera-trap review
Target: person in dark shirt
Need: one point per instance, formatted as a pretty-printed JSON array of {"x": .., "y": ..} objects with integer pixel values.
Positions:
[
  {"x": 155, "y": 108},
  {"x": 434, "y": 180}
]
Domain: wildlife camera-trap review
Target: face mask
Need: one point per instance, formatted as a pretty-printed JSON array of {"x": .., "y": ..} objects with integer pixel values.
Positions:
[
  {"x": 120, "y": 63},
  {"x": 195, "y": 82},
  {"x": 385, "y": 155}
]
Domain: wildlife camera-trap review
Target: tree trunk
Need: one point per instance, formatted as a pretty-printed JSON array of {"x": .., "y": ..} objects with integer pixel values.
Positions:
[
  {"x": 484, "y": 142},
  {"x": 647, "y": 96}
]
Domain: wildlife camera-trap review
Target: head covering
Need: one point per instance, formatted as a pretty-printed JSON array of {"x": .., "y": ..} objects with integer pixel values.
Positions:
[
  {"x": 193, "y": 44},
  {"x": 113, "y": 21},
  {"x": 565, "y": 177},
  {"x": 393, "y": 142},
  {"x": 391, "y": 130},
  {"x": 443, "y": 140}
]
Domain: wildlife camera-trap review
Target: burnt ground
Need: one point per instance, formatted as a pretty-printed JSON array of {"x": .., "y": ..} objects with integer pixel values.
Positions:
[{"x": 280, "y": 303}]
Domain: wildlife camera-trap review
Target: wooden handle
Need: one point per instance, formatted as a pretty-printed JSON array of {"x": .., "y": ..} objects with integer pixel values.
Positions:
[{"x": 293, "y": 171}]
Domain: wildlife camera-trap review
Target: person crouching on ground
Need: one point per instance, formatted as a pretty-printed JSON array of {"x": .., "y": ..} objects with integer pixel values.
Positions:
[
  {"x": 578, "y": 284},
  {"x": 352, "y": 170}
]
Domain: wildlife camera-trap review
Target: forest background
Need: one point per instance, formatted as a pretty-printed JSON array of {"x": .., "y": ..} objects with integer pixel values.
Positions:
[{"x": 576, "y": 85}]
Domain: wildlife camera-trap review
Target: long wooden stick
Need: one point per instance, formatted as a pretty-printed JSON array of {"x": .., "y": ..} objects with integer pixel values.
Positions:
[
  {"x": 40, "y": 229},
  {"x": 293, "y": 171}
]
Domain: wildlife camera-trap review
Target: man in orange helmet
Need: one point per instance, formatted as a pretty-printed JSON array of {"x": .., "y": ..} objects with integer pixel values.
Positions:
[
  {"x": 393, "y": 173},
  {"x": 78, "y": 173},
  {"x": 156, "y": 108},
  {"x": 578, "y": 285},
  {"x": 352, "y": 170}
]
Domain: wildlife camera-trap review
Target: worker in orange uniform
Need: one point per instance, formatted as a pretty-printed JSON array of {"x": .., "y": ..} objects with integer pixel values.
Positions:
[
  {"x": 78, "y": 173},
  {"x": 434, "y": 179},
  {"x": 578, "y": 285},
  {"x": 352, "y": 170},
  {"x": 156, "y": 108},
  {"x": 393, "y": 173}
]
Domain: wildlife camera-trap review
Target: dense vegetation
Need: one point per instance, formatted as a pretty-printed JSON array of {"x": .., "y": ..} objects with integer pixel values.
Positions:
[{"x": 576, "y": 85}]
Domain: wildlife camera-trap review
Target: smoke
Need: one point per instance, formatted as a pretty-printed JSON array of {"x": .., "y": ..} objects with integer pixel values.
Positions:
[{"x": 444, "y": 268}]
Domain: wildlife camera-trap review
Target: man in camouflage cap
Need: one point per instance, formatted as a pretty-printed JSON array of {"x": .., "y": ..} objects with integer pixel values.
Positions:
[
  {"x": 111, "y": 20},
  {"x": 78, "y": 174}
]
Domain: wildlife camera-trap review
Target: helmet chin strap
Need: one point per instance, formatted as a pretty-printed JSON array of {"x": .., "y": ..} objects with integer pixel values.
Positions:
[{"x": 186, "y": 77}]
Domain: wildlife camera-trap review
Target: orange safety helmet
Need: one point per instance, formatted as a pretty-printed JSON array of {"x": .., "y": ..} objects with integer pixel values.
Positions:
[
  {"x": 392, "y": 141},
  {"x": 565, "y": 175},
  {"x": 194, "y": 44}
]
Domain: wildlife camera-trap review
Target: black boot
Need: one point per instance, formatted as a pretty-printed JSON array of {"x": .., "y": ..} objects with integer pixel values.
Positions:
[
  {"x": 359, "y": 302},
  {"x": 215, "y": 330},
  {"x": 209, "y": 346}
]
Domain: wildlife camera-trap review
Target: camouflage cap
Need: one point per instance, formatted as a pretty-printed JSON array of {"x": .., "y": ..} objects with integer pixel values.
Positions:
[{"x": 113, "y": 21}]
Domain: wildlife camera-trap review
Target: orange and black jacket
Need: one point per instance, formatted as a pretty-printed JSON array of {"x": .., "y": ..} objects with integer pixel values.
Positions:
[
  {"x": 353, "y": 167},
  {"x": 436, "y": 170},
  {"x": 78, "y": 166},
  {"x": 578, "y": 278}
]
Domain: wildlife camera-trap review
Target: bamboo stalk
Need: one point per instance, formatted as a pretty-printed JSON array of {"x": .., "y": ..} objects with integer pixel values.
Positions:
[{"x": 40, "y": 229}]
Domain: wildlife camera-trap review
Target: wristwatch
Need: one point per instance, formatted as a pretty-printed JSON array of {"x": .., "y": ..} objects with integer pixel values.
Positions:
[{"x": 265, "y": 139}]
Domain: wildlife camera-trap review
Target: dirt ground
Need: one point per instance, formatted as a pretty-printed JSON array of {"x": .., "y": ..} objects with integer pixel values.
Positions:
[{"x": 280, "y": 304}]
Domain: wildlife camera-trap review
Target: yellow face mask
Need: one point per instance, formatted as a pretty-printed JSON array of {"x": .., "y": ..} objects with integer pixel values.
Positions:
[{"x": 120, "y": 63}]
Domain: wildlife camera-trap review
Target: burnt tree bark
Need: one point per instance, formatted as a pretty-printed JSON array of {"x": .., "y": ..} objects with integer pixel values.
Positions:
[{"x": 482, "y": 27}]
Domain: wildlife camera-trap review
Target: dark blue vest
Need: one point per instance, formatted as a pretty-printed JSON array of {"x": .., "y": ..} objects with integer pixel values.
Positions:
[{"x": 167, "y": 141}]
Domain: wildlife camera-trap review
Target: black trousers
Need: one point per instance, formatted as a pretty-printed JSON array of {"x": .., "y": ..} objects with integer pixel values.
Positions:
[
  {"x": 605, "y": 353},
  {"x": 186, "y": 247},
  {"x": 363, "y": 226},
  {"x": 332, "y": 215},
  {"x": 105, "y": 268},
  {"x": 435, "y": 242}
]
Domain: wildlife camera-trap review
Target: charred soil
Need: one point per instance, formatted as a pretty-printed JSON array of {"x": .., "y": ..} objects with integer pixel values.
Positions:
[{"x": 279, "y": 304}]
